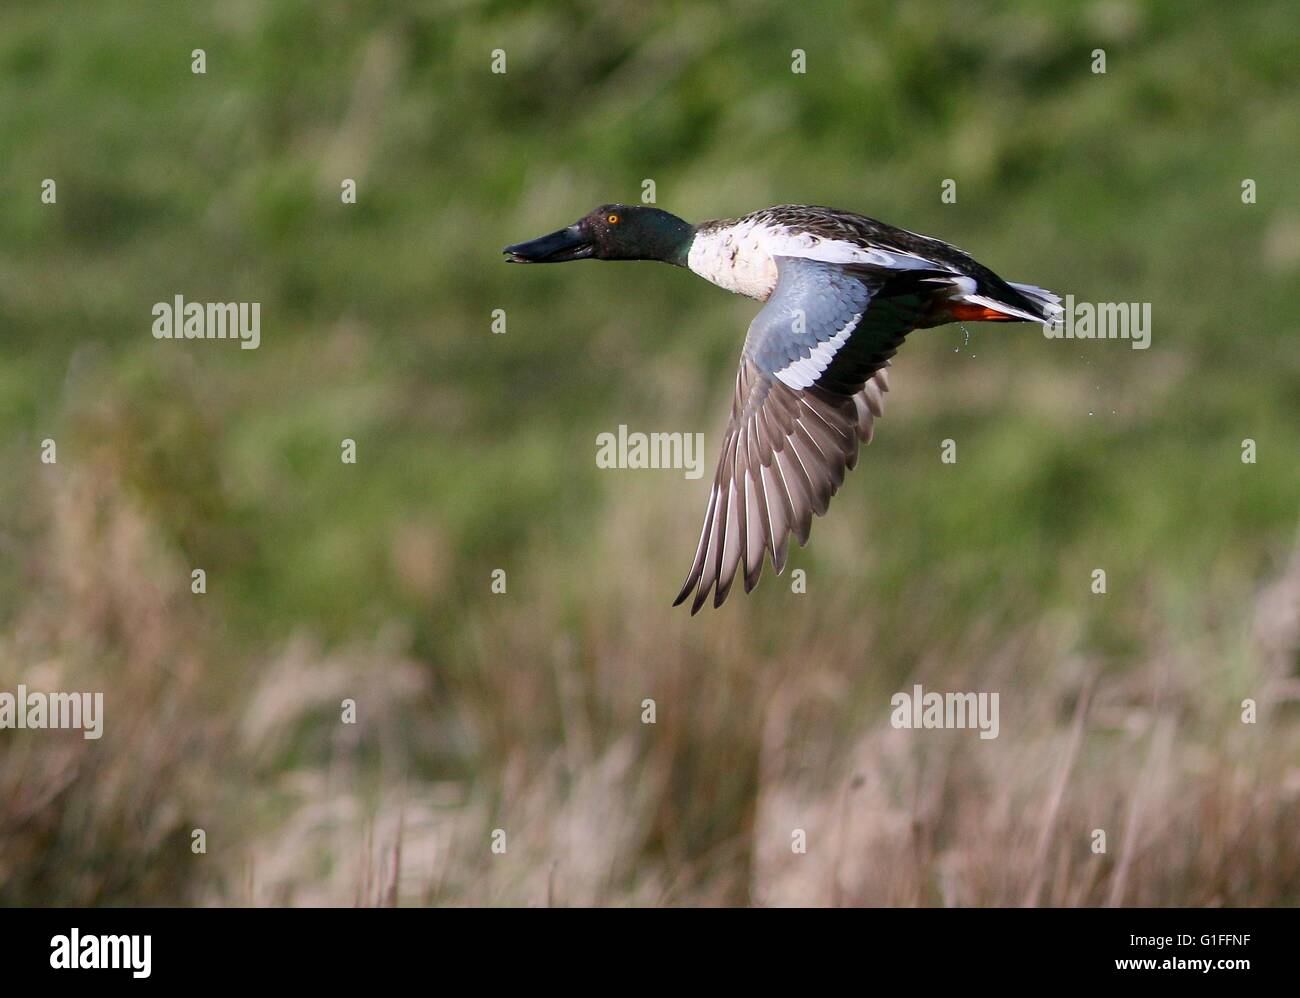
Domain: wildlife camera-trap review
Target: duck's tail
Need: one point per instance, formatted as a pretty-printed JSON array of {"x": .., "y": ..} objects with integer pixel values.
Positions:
[
  {"x": 1047, "y": 303},
  {"x": 1029, "y": 304}
]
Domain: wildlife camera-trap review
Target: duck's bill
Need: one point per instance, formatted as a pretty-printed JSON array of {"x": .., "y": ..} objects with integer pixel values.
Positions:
[{"x": 558, "y": 247}]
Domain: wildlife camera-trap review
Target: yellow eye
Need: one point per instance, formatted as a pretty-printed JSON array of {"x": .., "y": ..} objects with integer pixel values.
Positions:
[{"x": 612, "y": 220}]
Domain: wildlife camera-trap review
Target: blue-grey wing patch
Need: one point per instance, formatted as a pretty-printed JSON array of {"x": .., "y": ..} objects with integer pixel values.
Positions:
[{"x": 811, "y": 314}]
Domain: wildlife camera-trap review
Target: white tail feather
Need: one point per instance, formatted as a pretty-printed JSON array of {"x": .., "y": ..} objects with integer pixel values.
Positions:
[
  {"x": 1001, "y": 306},
  {"x": 1047, "y": 301}
]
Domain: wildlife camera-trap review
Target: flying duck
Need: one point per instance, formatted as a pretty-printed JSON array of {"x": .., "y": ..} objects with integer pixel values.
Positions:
[{"x": 841, "y": 291}]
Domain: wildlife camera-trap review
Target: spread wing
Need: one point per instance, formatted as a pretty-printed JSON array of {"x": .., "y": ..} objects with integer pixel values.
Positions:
[{"x": 811, "y": 383}]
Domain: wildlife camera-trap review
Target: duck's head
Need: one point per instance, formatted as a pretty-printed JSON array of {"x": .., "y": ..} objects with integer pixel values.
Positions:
[{"x": 612, "y": 232}]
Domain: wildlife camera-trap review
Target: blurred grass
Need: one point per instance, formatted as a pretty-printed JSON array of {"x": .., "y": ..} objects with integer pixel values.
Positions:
[{"x": 475, "y": 451}]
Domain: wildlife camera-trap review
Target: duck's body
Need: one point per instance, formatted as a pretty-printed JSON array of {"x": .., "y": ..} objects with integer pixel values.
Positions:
[
  {"x": 740, "y": 254},
  {"x": 842, "y": 291}
]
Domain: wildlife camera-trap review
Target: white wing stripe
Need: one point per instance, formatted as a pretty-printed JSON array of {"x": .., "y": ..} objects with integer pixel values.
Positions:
[{"x": 805, "y": 371}]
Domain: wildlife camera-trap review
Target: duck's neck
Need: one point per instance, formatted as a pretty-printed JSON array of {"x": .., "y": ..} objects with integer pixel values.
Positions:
[
  {"x": 681, "y": 253},
  {"x": 673, "y": 243}
]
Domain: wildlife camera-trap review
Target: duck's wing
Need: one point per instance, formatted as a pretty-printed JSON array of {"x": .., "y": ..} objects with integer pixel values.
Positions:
[{"x": 811, "y": 383}]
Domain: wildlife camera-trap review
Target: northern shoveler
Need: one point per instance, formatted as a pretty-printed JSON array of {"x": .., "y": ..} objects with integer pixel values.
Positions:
[{"x": 842, "y": 292}]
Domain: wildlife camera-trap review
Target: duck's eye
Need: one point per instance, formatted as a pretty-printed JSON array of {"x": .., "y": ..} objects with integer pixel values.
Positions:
[{"x": 612, "y": 220}]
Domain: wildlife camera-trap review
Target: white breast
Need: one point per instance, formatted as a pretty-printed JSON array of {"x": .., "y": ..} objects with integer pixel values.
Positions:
[{"x": 736, "y": 258}]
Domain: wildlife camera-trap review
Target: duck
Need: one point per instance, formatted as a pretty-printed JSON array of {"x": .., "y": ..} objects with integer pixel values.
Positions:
[{"x": 841, "y": 292}]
